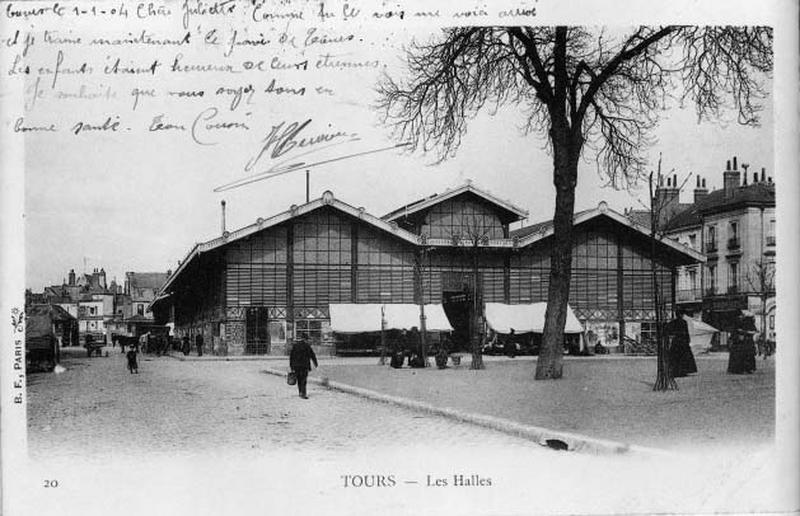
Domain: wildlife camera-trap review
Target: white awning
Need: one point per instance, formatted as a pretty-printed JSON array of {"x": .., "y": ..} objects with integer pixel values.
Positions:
[
  {"x": 359, "y": 318},
  {"x": 524, "y": 318},
  {"x": 698, "y": 327},
  {"x": 406, "y": 316},
  {"x": 355, "y": 317}
]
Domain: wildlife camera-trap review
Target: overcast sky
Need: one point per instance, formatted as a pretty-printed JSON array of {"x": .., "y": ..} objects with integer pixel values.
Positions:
[{"x": 139, "y": 202}]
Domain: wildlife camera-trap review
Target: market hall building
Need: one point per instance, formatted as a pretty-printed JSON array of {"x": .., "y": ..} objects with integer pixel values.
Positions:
[{"x": 254, "y": 290}]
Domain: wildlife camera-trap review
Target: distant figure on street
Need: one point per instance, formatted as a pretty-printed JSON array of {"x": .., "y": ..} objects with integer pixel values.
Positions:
[
  {"x": 300, "y": 360},
  {"x": 397, "y": 359},
  {"x": 122, "y": 345},
  {"x": 681, "y": 359},
  {"x": 185, "y": 345},
  {"x": 742, "y": 349},
  {"x": 198, "y": 340},
  {"x": 414, "y": 346},
  {"x": 510, "y": 346},
  {"x": 133, "y": 365}
]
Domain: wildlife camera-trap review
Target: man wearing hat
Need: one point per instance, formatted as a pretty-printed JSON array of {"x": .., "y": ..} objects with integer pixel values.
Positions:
[{"x": 300, "y": 360}]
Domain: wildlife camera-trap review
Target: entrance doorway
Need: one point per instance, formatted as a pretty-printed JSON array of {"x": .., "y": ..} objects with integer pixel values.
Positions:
[
  {"x": 256, "y": 331},
  {"x": 458, "y": 308}
]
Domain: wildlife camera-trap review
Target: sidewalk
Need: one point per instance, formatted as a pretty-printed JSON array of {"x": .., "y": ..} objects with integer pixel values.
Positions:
[{"x": 608, "y": 399}]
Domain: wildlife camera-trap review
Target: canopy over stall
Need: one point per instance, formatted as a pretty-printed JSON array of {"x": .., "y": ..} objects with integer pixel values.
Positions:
[
  {"x": 700, "y": 334},
  {"x": 406, "y": 316},
  {"x": 359, "y": 318},
  {"x": 524, "y": 318},
  {"x": 355, "y": 318}
]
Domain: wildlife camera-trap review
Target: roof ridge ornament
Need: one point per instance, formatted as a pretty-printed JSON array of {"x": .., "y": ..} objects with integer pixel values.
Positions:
[
  {"x": 327, "y": 197},
  {"x": 602, "y": 206}
]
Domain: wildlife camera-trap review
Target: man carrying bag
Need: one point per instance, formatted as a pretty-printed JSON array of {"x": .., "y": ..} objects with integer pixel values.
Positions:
[{"x": 300, "y": 360}]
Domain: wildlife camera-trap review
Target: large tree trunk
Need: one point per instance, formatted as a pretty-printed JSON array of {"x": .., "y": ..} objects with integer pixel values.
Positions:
[{"x": 566, "y": 152}]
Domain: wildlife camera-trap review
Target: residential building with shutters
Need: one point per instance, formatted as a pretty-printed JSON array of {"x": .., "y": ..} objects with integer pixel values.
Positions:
[{"x": 734, "y": 227}]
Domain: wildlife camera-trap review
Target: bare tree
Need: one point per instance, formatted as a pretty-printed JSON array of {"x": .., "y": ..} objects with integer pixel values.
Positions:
[
  {"x": 761, "y": 278},
  {"x": 581, "y": 89},
  {"x": 474, "y": 235},
  {"x": 658, "y": 213}
]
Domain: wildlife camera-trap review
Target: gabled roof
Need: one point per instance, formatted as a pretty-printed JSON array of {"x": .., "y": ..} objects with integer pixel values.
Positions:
[
  {"x": 514, "y": 212},
  {"x": 756, "y": 194},
  {"x": 327, "y": 199},
  {"x": 54, "y": 312},
  {"x": 539, "y": 227},
  {"x": 640, "y": 217},
  {"x": 531, "y": 234},
  {"x": 152, "y": 280}
]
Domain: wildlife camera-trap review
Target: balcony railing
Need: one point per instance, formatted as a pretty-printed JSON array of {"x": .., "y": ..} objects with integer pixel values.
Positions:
[
  {"x": 771, "y": 240},
  {"x": 711, "y": 247},
  {"x": 733, "y": 243}
]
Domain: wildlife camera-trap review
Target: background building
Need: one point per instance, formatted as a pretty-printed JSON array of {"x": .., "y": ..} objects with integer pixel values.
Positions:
[
  {"x": 255, "y": 289},
  {"x": 735, "y": 229},
  {"x": 103, "y": 308}
]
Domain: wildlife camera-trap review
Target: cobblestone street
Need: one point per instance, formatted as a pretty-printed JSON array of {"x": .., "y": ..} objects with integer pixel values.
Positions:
[
  {"x": 204, "y": 436},
  {"x": 178, "y": 406}
]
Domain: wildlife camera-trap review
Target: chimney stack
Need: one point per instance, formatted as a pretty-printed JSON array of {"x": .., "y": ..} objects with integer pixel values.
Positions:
[
  {"x": 763, "y": 174},
  {"x": 730, "y": 179},
  {"x": 667, "y": 199},
  {"x": 700, "y": 191},
  {"x": 755, "y": 177},
  {"x": 71, "y": 277},
  {"x": 222, "y": 222}
]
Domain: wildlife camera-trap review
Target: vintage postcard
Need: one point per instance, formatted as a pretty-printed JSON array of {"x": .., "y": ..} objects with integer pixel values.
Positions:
[{"x": 359, "y": 257}]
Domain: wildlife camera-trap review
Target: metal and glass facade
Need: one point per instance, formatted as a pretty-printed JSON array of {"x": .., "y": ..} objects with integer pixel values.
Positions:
[{"x": 255, "y": 290}]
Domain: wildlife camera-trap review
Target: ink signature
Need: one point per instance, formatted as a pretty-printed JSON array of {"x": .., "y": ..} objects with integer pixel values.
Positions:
[{"x": 285, "y": 137}]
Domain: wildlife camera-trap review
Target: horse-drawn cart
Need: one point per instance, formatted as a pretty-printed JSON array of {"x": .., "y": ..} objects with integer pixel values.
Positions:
[{"x": 93, "y": 347}]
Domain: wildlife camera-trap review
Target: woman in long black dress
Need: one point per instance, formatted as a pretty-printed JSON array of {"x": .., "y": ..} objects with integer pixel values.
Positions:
[
  {"x": 742, "y": 354},
  {"x": 681, "y": 358}
]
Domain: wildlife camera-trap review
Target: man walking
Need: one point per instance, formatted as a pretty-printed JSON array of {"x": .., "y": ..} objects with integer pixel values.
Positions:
[{"x": 300, "y": 362}]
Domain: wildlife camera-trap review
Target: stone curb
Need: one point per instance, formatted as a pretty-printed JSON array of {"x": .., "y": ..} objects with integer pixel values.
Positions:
[
  {"x": 213, "y": 358},
  {"x": 539, "y": 435}
]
